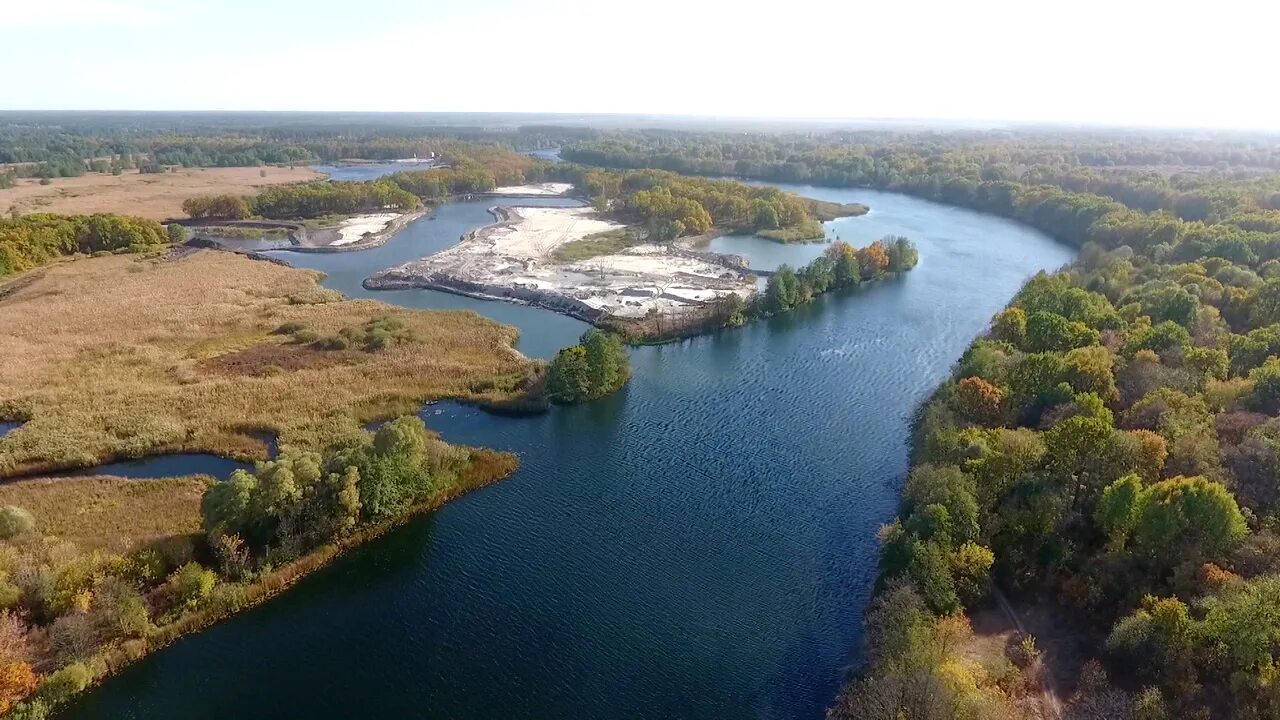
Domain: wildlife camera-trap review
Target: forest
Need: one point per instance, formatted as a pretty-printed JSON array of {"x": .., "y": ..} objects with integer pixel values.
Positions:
[
  {"x": 597, "y": 366},
  {"x": 67, "y": 144},
  {"x": 1108, "y": 448},
  {"x": 33, "y": 240}
]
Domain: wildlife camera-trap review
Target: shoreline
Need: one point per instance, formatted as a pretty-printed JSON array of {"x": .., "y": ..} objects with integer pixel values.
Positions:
[
  {"x": 564, "y": 297},
  {"x": 119, "y": 656}
]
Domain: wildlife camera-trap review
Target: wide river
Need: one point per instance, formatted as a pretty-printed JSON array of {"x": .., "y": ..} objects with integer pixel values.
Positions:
[{"x": 701, "y": 545}]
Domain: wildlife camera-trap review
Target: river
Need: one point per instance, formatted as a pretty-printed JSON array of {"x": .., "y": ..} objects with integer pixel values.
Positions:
[{"x": 701, "y": 545}]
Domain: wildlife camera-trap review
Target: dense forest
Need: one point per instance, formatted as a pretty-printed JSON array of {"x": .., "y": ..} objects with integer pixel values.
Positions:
[
  {"x": 69, "y": 144},
  {"x": 1108, "y": 449},
  {"x": 32, "y": 240}
]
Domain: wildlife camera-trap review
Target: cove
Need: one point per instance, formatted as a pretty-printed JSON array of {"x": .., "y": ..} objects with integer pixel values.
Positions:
[{"x": 701, "y": 545}]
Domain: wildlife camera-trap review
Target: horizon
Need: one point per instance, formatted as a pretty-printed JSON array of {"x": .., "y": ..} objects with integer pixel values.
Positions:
[
  {"x": 676, "y": 121},
  {"x": 997, "y": 62}
]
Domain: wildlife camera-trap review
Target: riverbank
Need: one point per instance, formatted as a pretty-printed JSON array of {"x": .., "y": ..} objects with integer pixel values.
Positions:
[
  {"x": 203, "y": 351},
  {"x": 514, "y": 260},
  {"x": 177, "y": 534},
  {"x": 669, "y": 526}
]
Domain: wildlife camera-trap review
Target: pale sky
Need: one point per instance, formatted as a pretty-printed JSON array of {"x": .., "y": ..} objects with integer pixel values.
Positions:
[{"x": 1211, "y": 63}]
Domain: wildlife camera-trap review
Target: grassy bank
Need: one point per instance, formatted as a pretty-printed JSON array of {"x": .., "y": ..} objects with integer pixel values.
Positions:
[
  {"x": 120, "y": 614},
  {"x": 120, "y": 357}
]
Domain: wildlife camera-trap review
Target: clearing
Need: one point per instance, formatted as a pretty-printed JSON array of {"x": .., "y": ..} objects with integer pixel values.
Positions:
[
  {"x": 156, "y": 196},
  {"x": 125, "y": 356}
]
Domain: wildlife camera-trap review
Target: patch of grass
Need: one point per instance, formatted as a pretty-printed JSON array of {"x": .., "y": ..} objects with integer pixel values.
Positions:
[
  {"x": 125, "y": 357},
  {"x": 808, "y": 232},
  {"x": 608, "y": 242},
  {"x": 111, "y": 513}
]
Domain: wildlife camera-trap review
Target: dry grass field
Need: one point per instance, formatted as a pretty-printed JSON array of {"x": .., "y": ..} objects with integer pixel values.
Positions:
[
  {"x": 123, "y": 356},
  {"x": 115, "y": 514},
  {"x": 155, "y": 196}
]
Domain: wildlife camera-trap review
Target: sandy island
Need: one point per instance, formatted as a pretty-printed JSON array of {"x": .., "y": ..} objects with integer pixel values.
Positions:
[
  {"x": 512, "y": 260},
  {"x": 533, "y": 189}
]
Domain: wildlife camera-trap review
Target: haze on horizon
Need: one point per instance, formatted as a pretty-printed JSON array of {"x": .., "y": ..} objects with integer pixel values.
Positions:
[{"x": 1142, "y": 62}]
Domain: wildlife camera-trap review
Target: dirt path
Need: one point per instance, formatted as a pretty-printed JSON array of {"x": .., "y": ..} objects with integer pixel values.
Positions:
[{"x": 1050, "y": 698}]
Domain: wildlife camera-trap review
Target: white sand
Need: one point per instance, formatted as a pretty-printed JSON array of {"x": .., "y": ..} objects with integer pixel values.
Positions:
[
  {"x": 536, "y": 231},
  {"x": 354, "y": 228},
  {"x": 551, "y": 188},
  {"x": 516, "y": 255}
]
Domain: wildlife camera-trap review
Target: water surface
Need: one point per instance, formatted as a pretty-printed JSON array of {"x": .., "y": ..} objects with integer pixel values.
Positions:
[{"x": 699, "y": 546}]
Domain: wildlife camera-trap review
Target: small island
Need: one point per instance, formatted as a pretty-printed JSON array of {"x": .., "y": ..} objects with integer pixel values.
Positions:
[{"x": 631, "y": 262}]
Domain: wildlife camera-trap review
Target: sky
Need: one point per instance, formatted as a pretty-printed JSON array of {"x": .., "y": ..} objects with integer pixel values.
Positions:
[{"x": 1113, "y": 62}]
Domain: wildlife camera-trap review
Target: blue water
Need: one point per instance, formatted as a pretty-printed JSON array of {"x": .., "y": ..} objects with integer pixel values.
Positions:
[
  {"x": 8, "y": 427},
  {"x": 700, "y": 545},
  {"x": 542, "y": 332},
  {"x": 160, "y": 466},
  {"x": 367, "y": 171}
]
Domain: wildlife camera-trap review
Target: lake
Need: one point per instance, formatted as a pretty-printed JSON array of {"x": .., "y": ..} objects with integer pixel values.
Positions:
[{"x": 700, "y": 545}]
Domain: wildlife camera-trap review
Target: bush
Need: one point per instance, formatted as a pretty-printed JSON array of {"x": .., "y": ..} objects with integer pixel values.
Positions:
[
  {"x": 15, "y": 521},
  {"x": 289, "y": 328},
  {"x": 190, "y": 585},
  {"x": 30, "y": 710},
  {"x": 62, "y": 685}
]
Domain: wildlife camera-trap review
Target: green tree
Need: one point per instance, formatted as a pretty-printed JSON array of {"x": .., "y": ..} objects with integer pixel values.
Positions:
[
  {"x": 1187, "y": 519},
  {"x": 782, "y": 291},
  {"x": 1117, "y": 510},
  {"x": 568, "y": 376}
]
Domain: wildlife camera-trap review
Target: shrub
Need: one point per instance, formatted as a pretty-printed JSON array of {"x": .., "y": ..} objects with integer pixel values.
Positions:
[
  {"x": 60, "y": 686},
  {"x": 15, "y": 521},
  {"x": 289, "y": 328},
  {"x": 190, "y": 585}
]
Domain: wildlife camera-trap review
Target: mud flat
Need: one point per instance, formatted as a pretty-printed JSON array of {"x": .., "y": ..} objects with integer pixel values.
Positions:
[{"x": 514, "y": 260}]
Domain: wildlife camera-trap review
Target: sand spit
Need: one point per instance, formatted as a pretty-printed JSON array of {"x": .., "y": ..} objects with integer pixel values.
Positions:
[
  {"x": 354, "y": 228},
  {"x": 513, "y": 260},
  {"x": 534, "y": 189}
]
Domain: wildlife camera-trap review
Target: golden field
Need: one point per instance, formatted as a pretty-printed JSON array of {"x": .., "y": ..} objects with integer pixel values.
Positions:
[
  {"x": 112, "y": 513},
  {"x": 155, "y": 196},
  {"x": 125, "y": 356}
]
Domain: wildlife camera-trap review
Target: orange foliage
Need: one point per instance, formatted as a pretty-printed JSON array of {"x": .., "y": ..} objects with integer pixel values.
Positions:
[
  {"x": 17, "y": 681},
  {"x": 978, "y": 399},
  {"x": 873, "y": 259}
]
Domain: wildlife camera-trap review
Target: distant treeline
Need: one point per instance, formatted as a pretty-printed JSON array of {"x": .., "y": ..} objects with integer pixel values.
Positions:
[
  {"x": 667, "y": 204},
  {"x": 33, "y": 240},
  {"x": 69, "y": 144}
]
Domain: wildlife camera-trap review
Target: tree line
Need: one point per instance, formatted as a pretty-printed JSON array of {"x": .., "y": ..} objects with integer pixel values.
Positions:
[
  {"x": 32, "y": 240},
  {"x": 1111, "y": 446}
]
